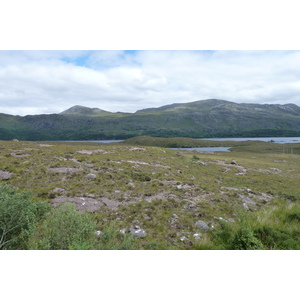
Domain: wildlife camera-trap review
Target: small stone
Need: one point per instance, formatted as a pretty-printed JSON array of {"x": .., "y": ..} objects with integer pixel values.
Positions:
[
  {"x": 197, "y": 236},
  {"x": 245, "y": 206},
  {"x": 202, "y": 225},
  {"x": 172, "y": 221},
  {"x": 137, "y": 231},
  {"x": 146, "y": 217},
  {"x": 89, "y": 165},
  {"x": 275, "y": 169},
  {"x": 123, "y": 230},
  {"x": 91, "y": 176},
  {"x": 233, "y": 162},
  {"x": 183, "y": 238},
  {"x": 179, "y": 187},
  {"x": 98, "y": 232}
]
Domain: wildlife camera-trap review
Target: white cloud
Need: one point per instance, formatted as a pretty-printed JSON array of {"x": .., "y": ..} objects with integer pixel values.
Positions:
[
  {"x": 105, "y": 58},
  {"x": 51, "y": 81}
]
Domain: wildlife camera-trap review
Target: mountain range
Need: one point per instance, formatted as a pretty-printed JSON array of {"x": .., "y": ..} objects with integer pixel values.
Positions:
[{"x": 199, "y": 119}]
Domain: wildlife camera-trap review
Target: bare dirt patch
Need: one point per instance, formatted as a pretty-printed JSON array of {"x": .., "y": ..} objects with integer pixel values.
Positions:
[
  {"x": 75, "y": 160},
  {"x": 242, "y": 169},
  {"x": 160, "y": 196},
  {"x": 5, "y": 175},
  {"x": 89, "y": 204},
  {"x": 94, "y": 151},
  {"x": 232, "y": 188},
  {"x": 81, "y": 203},
  {"x": 251, "y": 197},
  {"x": 247, "y": 199},
  {"x": 19, "y": 155},
  {"x": 137, "y": 149},
  {"x": 65, "y": 170},
  {"x": 145, "y": 163},
  {"x": 264, "y": 197},
  {"x": 170, "y": 182},
  {"x": 110, "y": 203},
  {"x": 276, "y": 170}
]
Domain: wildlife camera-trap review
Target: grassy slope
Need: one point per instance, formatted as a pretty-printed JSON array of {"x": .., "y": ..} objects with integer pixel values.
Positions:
[
  {"x": 163, "y": 190},
  {"x": 210, "y": 118}
]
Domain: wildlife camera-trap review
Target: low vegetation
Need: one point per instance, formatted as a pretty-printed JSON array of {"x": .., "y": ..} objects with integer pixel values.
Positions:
[
  {"x": 57, "y": 195},
  {"x": 183, "y": 142}
]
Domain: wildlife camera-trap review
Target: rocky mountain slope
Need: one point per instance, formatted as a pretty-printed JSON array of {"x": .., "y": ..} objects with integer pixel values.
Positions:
[
  {"x": 83, "y": 110},
  {"x": 199, "y": 119}
]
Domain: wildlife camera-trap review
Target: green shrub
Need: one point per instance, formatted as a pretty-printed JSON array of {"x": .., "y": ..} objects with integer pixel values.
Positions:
[
  {"x": 289, "y": 197},
  {"x": 18, "y": 214},
  {"x": 275, "y": 238},
  {"x": 140, "y": 176},
  {"x": 112, "y": 239},
  {"x": 294, "y": 216},
  {"x": 244, "y": 239},
  {"x": 237, "y": 236},
  {"x": 224, "y": 234},
  {"x": 66, "y": 228}
]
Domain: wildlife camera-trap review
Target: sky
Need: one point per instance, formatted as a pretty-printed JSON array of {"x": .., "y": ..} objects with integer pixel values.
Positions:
[{"x": 44, "y": 82}]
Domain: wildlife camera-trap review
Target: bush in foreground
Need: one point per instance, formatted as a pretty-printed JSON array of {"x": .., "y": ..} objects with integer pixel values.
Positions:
[
  {"x": 65, "y": 228},
  {"x": 18, "y": 216}
]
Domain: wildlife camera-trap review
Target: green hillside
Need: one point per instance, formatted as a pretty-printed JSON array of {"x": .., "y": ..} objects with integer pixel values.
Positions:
[{"x": 200, "y": 119}]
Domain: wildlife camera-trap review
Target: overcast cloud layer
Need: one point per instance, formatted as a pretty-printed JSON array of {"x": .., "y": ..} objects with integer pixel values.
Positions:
[{"x": 36, "y": 82}]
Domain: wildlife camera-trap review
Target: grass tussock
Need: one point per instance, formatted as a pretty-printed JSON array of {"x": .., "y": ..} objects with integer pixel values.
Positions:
[{"x": 276, "y": 227}]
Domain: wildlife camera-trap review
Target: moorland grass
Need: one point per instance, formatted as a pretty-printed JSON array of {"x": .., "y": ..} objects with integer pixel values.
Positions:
[{"x": 165, "y": 192}]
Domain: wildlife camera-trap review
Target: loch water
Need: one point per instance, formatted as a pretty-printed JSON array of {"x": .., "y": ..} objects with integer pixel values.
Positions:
[{"x": 280, "y": 140}]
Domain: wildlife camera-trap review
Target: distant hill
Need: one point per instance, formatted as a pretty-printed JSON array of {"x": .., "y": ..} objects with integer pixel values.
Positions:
[
  {"x": 184, "y": 106},
  {"x": 218, "y": 105},
  {"x": 199, "y": 119},
  {"x": 83, "y": 110}
]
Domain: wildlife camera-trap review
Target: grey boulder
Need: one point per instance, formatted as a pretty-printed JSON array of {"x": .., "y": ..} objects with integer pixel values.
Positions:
[
  {"x": 202, "y": 225},
  {"x": 91, "y": 176}
]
